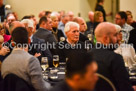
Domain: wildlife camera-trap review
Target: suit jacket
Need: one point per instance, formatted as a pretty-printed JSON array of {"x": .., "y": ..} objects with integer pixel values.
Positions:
[
  {"x": 26, "y": 67},
  {"x": 63, "y": 49},
  {"x": 34, "y": 48},
  {"x": 62, "y": 86},
  {"x": 47, "y": 36},
  {"x": 132, "y": 38},
  {"x": 111, "y": 65},
  {"x": 82, "y": 38}
]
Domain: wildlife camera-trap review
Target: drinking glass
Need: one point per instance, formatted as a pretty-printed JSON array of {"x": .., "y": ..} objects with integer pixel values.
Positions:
[
  {"x": 55, "y": 61},
  {"x": 44, "y": 63}
]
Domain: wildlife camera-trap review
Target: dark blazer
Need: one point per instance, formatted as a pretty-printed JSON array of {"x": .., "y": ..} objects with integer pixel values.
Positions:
[
  {"x": 62, "y": 86},
  {"x": 82, "y": 38},
  {"x": 13, "y": 83},
  {"x": 132, "y": 39},
  {"x": 63, "y": 49},
  {"x": 111, "y": 65},
  {"x": 37, "y": 49},
  {"x": 46, "y": 35}
]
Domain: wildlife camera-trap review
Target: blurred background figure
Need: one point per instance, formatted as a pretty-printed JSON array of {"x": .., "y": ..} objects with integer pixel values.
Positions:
[
  {"x": 130, "y": 20},
  {"x": 2, "y": 11},
  {"x": 82, "y": 29},
  {"x": 99, "y": 7},
  {"x": 55, "y": 21},
  {"x": 48, "y": 14},
  {"x": 41, "y": 14},
  {"x": 121, "y": 20},
  {"x": 90, "y": 23},
  {"x": 71, "y": 15},
  {"x": 127, "y": 51},
  {"x": 3, "y": 33},
  {"x": 64, "y": 20},
  {"x": 98, "y": 18}
]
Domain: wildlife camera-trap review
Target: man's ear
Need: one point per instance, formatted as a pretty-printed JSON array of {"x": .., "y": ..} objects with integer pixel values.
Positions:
[
  {"x": 105, "y": 39},
  {"x": 76, "y": 77},
  {"x": 43, "y": 24}
]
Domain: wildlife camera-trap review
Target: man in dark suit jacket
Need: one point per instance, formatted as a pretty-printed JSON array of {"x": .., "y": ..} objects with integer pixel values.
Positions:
[
  {"x": 132, "y": 38},
  {"x": 110, "y": 64},
  {"x": 82, "y": 28},
  {"x": 44, "y": 32},
  {"x": 35, "y": 42}
]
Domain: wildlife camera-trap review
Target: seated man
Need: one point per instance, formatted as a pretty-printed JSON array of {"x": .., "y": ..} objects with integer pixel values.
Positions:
[
  {"x": 82, "y": 28},
  {"x": 80, "y": 73},
  {"x": 22, "y": 64},
  {"x": 71, "y": 43},
  {"x": 110, "y": 64},
  {"x": 126, "y": 50},
  {"x": 35, "y": 42}
]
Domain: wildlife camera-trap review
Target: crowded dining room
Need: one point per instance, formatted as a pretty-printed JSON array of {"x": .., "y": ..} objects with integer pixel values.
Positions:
[{"x": 67, "y": 45}]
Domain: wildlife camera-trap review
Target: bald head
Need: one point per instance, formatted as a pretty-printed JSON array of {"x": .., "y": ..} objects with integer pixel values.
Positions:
[
  {"x": 14, "y": 25},
  {"x": 71, "y": 15},
  {"x": 91, "y": 15},
  {"x": 106, "y": 32},
  {"x": 81, "y": 23}
]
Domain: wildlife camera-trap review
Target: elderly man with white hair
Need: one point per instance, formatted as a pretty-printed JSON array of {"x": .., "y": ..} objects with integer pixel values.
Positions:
[{"x": 72, "y": 43}]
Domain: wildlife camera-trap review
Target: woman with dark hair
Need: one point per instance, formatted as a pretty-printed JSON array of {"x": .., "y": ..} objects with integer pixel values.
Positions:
[{"x": 99, "y": 7}]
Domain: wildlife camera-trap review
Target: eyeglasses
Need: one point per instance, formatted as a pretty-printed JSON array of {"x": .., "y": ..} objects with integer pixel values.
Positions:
[{"x": 117, "y": 18}]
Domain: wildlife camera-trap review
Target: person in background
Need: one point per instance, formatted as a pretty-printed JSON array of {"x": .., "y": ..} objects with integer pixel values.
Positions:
[
  {"x": 71, "y": 15},
  {"x": 130, "y": 20},
  {"x": 3, "y": 33},
  {"x": 72, "y": 43},
  {"x": 127, "y": 51},
  {"x": 23, "y": 64},
  {"x": 98, "y": 18},
  {"x": 58, "y": 33},
  {"x": 90, "y": 23},
  {"x": 99, "y": 7},
  {"x": 34, "y": 42},
  {"x": 80, "y": 73},
  {"x": 82, "y": 28},
  {"x": 64, "y": 20},
  {"x": 48, "y": 14},
  {"x": 3, "y": 49},
  {"x": 2, "y": 11},
  {"x": 110, "y": 65},
  {"x": 45, "y": 32},
  {"x": 121, "y": 20}
]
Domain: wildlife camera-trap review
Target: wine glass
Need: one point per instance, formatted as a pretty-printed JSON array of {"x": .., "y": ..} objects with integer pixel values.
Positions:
[
  {"x": 55, "y": 61},
  {"x": 90, "y": 37},
  {"x": 44, "y": 63}
]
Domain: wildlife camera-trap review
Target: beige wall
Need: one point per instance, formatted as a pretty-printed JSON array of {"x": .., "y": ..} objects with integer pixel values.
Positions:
[
  {"x": 25, "y": 7},
  {"x": 128, "y": 5}
]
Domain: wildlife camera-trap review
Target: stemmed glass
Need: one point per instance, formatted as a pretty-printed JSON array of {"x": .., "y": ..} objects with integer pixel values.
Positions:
[
  {"x": 44, "y": 63},
  {"x": 55, "y": 61}
]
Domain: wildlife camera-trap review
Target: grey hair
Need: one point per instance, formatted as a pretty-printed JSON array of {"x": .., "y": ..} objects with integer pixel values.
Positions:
[
  {"x": 69, "y": 24},
  {"x": 118, "y": 28}
]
